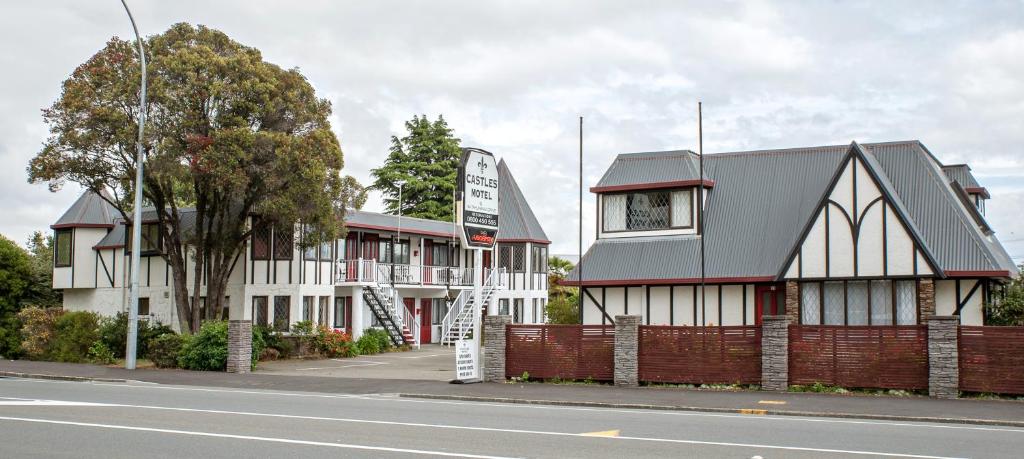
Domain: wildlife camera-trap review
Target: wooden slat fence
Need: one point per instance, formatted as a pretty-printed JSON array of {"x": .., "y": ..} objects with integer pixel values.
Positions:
[
  {"x": 561, "y": 351},
  {"x": 700, "y": 355},
  {"x": 992, "y": 359},
  {"x": 859, "y": 357}
]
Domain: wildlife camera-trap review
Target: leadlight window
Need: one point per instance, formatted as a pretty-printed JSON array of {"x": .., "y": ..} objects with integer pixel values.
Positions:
[
  {"x": 648, "y": 210},
  {"x": 282, "y": 312},
  {"x": 261, "y": 236},
  {"x": 519, "y": 258},
  {"x": 505, "y": 257},
  {"x": 62, "y": 248},
  {"x": 307, "y": 308},
  {"x": 259, "y": 310},
  {"x": 284, "y": 242},
  {"x": 859, "y": 302}
]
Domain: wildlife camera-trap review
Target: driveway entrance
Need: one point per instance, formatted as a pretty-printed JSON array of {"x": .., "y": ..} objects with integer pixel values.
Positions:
[{"x": 431, "y": 362}]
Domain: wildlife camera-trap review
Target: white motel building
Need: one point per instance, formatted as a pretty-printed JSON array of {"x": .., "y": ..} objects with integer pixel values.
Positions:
[
  {"x": 859, "y": 234},
  {"x": 410, "y": 276}
]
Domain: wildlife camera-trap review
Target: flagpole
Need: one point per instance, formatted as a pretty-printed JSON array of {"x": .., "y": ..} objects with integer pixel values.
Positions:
[
  {"x": 700, "y": 204},
  {"x": 579, "y": 248}
]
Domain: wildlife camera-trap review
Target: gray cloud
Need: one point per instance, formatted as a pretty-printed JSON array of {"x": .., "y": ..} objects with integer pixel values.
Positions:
[{"x": 514, "y": 76}]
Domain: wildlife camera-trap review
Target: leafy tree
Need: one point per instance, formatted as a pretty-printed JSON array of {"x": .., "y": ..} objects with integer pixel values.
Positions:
[
  {"x": 227, "y": 134},
  {"x": 353, "y": 193},
  {"x": 15, "y": 283},
  {"x": 40, "y": 290},
  {"x": 1008, "y": 306},
  {"x": 563, "y": 302},
  {"x": 427, "y": 160}
]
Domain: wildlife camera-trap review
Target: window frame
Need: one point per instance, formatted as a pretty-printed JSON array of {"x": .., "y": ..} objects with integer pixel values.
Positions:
[
  {"x": 262, "y": 238},
  {"x": 340, "y": 304},
  {"x": 277, "y": 252},
  {"x": 287, "y": 322},
  {"x": 70, "y": 234},
  {"x": 265, "y": 309},
  {"x": 668, "y": 191}
]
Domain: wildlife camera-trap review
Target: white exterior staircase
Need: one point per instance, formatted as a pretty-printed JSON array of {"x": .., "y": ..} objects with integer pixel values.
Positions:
[{"x": 458, "y": 323}]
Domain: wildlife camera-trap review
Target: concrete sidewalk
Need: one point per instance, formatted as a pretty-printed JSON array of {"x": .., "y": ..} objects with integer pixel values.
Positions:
[{"x": 915, "y": 408}]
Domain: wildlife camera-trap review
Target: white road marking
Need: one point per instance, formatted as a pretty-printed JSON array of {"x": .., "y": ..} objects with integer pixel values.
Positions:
[
  {"x": 366, "y": 363},
  {"x": 48, "y": 403},
  {"x": 424, "y": 356},
  {"x": 519, "y": 431},
  {"x": 393, "y": 398},
  {"x": 249, "y": 437}
]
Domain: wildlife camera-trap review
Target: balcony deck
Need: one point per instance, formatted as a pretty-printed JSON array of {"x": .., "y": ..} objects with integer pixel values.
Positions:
[{"x": 371, "y": 272}]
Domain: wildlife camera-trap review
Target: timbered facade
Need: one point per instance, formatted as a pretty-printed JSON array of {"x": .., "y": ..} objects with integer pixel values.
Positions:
[
  {"x": 280, "y": 279},
  {"x": 863, "y": 234}
]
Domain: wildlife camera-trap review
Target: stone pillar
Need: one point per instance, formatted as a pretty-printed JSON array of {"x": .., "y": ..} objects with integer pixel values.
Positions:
[
  {"x": 494, "y": 347},
  {"x": 926, "y": 299},
  {"x": 357, "y": 313},
  {"x": 627, "y": 336},
  {"x": 943, "y": 357},
  {"x": 793, "y": 302},
  {"x": 239, "y": 346},
  {"x": 775, "y": 353}
]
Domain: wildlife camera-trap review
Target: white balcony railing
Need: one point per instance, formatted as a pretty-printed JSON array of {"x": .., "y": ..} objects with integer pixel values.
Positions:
[{"x": 372, "y": 271}]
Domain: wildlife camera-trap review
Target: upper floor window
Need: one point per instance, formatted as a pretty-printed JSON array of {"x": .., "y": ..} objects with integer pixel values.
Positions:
[
  {"x": 150, "y": 238},
  {"x": 648, "y": 210},
  {"x": 261, "y": 243},
  {"x": 62, "y": 248},
  {"x": 540, "y": 259},
  {"x": 284, "y": 241}
]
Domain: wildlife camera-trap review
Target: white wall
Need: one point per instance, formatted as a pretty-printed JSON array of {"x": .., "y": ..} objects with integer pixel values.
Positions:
[
  {"x": 682, "y": 302},
  {"x": 946, "y": 300}
]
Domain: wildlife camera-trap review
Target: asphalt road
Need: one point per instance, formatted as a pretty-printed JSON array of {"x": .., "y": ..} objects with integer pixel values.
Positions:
[{"x": 74, "y": 419}]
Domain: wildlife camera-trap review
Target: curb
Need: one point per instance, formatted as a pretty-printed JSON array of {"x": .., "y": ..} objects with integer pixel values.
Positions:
[
  {"x": 746, "y": 411},
  {"x": 14, "y": 374}
]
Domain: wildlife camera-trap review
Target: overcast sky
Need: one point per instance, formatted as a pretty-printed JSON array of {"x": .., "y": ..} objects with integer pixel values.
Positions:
[{"x": 512, "y": 77}]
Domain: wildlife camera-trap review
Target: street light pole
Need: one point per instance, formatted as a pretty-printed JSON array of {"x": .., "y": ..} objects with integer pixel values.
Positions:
[{"x": 133, "y": 311}]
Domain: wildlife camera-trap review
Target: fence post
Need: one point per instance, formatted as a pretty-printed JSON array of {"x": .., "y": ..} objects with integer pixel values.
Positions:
[
  {"x": 775, "y": 353},
  {"x": 494, "y": 347},
  {"x": 627, "y": 335},
  {"x": 239, "y": 346},
  {"x": 943, "y": 357}
]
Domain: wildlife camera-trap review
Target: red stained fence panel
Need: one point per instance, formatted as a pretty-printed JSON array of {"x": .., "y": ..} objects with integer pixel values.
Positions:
[
  {"x": 561, "y": 351},
  {"x": 992, "y": 359},
  {"x": 700, "y": 355},
  {"x": 863, "y": 357}
]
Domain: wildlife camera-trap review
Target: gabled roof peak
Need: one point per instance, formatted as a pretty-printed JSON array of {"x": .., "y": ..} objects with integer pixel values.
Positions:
[{"x": 89, "y": 211}]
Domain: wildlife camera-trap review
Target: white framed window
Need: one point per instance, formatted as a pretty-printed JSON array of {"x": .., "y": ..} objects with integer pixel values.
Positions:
[
  {"x": 682, "y": 208},
  {"x": 647, "y": 210}
]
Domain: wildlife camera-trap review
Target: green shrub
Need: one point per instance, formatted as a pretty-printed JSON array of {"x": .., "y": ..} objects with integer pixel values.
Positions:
[
  {"x": 114, "y": 334},
  {"x": 373, "y": 341},
  {"x": 37, "y": 330},
  {"x": 100, "y": 354},
  {"x": 207, "y": 350},
  {"x": 10, "y": 338},
  {"x": 164, "y": 350},
  {"x": 74, "y": 333},
  {"x": 275, "y": 340},
  {"x": 303, "y": 328}
]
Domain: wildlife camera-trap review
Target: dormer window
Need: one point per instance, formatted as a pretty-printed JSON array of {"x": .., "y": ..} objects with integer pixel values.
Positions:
[{"x": 648, "y": 210}]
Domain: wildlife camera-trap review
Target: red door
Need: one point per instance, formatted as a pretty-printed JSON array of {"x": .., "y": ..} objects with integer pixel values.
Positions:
[
  {"x": 426, "y": 314},
  {"x": 487, "y": 265},
  {"x": 767, "y": 302},
  {"x": 351, "y": 255}
]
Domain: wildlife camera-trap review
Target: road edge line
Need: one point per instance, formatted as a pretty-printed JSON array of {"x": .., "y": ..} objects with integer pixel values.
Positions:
[
  {"x": 745, "y": 411},
  {"x": 15, "y": 374}
]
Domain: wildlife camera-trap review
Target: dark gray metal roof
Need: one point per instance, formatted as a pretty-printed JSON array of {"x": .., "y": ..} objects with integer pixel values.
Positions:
[
  {"x": 961, "y": 173},
  {"x": 654, "y": 167},
  {"x": 517, "y": 221},
  {"x": 90, "y": 210},
  {"x": 763, "y": 199},
  {"x": 388, "y": 222}
]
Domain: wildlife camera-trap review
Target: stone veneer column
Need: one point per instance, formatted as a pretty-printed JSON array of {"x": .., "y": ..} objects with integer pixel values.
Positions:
[
  {"x": 627, "y": 335},
  {"x": 793, "y": 302},
  {"x": 239, "y": 346},
  {"x": 494, "y": 347},
  {"x": 926, "y": 299},
  {"x": 943, "y": 357},
  {"x": 775, "y": 353}
]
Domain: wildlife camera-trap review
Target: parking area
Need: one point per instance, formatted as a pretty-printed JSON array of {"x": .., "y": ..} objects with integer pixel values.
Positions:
[{"x": 429, "y": 363}]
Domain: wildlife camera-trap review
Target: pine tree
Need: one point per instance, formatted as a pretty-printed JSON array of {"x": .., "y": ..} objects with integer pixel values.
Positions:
[{"x": 426, "y": 160}]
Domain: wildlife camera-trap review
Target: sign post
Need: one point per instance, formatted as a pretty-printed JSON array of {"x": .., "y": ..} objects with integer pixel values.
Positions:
[{"x": 477, "y": 215}]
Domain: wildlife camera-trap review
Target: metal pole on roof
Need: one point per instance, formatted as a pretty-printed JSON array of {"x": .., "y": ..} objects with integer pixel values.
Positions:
[
  {"x": 133, "y": 307},
  {"x": 700, "y": 204},
  {"x": 579, "y": 248}
]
